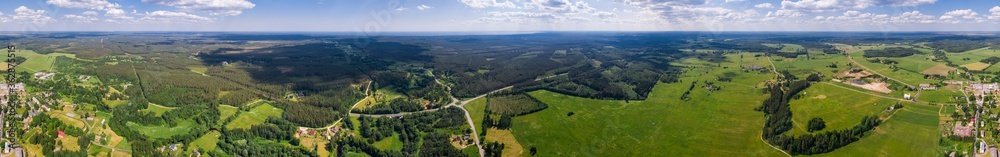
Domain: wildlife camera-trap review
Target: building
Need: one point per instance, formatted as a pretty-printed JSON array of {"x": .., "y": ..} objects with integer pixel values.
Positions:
[
  {"x": 753, "y": 67},
  {"x": 927, "y": 87},
  {"x": 906, "y": 96}
]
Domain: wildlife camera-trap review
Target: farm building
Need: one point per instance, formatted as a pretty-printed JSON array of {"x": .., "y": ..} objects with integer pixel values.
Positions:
[
  {"x": 927, "y": 87},
  {"x": 753, "y": 67}
]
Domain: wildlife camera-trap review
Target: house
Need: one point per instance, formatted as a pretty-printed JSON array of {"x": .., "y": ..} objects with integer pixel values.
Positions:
[
  {"x": 173, "y": 147},
  {"x": 927, "y": 87},
  {"x": 906, "y": 96},
  {"x": 60, "y": 133}
]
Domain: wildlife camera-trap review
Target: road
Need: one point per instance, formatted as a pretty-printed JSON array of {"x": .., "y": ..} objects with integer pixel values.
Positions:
[
  {"x": 455, "y": 102},
  {"x": 875, "y": 95}
]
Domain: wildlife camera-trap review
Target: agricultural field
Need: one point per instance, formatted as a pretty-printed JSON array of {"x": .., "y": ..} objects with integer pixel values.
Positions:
[
  {"x": 206, "y": 142},
  {"x": 163, "y": 131},
  {"x": 513, "y": 104},
  {"x": 157, "y": 109},
  {"x": 511, "y": 146},
  {"x": 477, "y": 110},
  {"x": 912, "y": 131},
  {"x": 907, "y": 76},
  {"x": 679, "y": 127},
  {"x": 36, "y": 62},
  {"x": 941, "y": 96},
  {"x": 255, "y": 116},
  {"x": 971, "y": 56},
  {"x": 976, "y": 66},
  {"x": 840, "y": 108}
]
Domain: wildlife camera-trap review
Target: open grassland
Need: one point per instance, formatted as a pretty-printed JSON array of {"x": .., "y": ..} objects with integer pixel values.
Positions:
[
  {"x": 157, "y": 109},
  {"x": 840, "y": 108},
  {"x": 511, "y": 146},
  {"x": 941, "y": 96},
  {"x": 226, "y": 111},
  {"x": 976, "y": 66},
  {"x": 476, "y": 110},
  {"x": 255, "y": 116},
  {"x": 390, "y": 143},
  {"x": 802, "y": 66},
  {"x": 163, "y": 131},
  {"x": 311, "y": 142},
  {"x": 939, "y": 69},
  {"x": 972, "y": 56},
  {"x": 993, "y": 69},
  {"x": 36, "y": 62},
  {"x": 200, "y": 69},
  {"x": 722, "y": 123},
  {"x": 907, "y": 76},
  {"x": 912, "y": 131},
  {"x": 69, "y": 143},
  {"x": 206, "y": 142}
]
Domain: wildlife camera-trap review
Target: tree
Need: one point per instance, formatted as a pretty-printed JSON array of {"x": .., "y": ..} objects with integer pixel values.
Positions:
[{"x": 816, "y": 124}]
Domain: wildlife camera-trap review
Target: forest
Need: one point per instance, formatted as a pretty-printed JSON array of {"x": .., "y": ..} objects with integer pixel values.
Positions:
[{"x": 891, "y": 52}]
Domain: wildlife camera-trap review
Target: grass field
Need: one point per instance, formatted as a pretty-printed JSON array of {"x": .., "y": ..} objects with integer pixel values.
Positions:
[
  {"x": 477, "y": 111},
  {"x": 200, "y": 69},
  {"x": 36, "y": 62},
  {"x": 162, "y": 131},
  {"x": 511, "y": 146},
  {"x": 255, "y": 116},
  {"x": 840, "y": 108},
  {"x": 912, "y": 131},
  {"x": 976, "y": 66},
  {"x": 939, "y": 69},
  {"x": 206, "y": 142},
  {"x": 972, "y": 55},
  {"x": 801, "y": 67},
  {"x": 226, "y": 111},
  {"x": 940, "y": 96},
  {"x": 390, "y": 143},
  {"x": 710, "y": 123},
  {"x": 905, "y": 75},
  {"x": 157, "y": 109}
]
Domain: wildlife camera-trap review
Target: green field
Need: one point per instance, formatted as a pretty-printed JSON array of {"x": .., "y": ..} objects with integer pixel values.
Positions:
[
  {"x": 157, "y": 109},
  {"x": 36, "y": 62},
  {"x": 801, "y": 67},
  {"x": 206, "y": 142},
  {"x": 255, "y": 116},
  {"x": 390, "y": 143},
  {"x": 710, "y": 123},
  {"x": 905, "y": 75},
  {"x": 840, "y": 108},
  {"x": 972, "y": 55},
  {"x": 477, "y": 109},
  {"x": 912, "y": 131},
  {"x": 162, "y": 131},
  {"x": 940, "y": 96},
  {"x": 226, "y": 111}
]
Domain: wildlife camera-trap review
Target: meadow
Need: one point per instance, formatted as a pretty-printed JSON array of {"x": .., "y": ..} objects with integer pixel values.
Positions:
[
  {"x": 163, "y": 131},
  {"x": 255, "y": 116},
  {"x": 206, "y": 142},
  {"x": 838, "y": 107},
  {"x": 912, "y": 131},
  {"x": 36, "y": 62},
  {"x": 662, "y": 123}
]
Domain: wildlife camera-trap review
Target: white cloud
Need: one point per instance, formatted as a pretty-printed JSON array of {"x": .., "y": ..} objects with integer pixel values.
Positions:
[
  {"x": 959, "y": 16},
  {"x": 213, "y": 7},
  {"x": 764, "y": 5},
  {"x": 561, "y": 6},
  {"x": 118, "y": 15},
  {"x": 855, "y": 17},
  {"x": 520, "y": 17},
  {"x": 837, "y": 5},
  {"x": 488, "y": 3},
  {"x": 913, "y": 17},
  {"x": 170, "y": 17},
  {"x": 605, "y": 15},
  {"x": 83, "y": 19},
  {"x": 401, "y": 9},
  {"x": 424, "y": 7},
  {"x": 86, "y": 4},
  {"x": 727, "y": 1},
  {"x": 3, "y": 19},
  {"x": 34, "y": 16},
  {"x": 90, "y": 13},
  {"x": 995, "y": 13}
]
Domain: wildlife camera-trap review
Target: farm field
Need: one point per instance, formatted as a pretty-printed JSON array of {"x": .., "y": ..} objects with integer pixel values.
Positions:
[
  {"x": 255, "y": 116},
  {"x": 678, "y": 126},
  {"x": 163, "y": 131},
  {"x": 971, "y": 56},
  {"x": 511, "y": 146},
  {"x": 909, "y": 77},
  {"x": 912, "y": 131},
  {"x": 941, "y": 96},
  {"x": 226, "y": 111},
  {"x": 477, "y": 109},
  {"x": 976, "y": 66},
  {"x": 36, "y": 62},
  {"x": 839, "y": 108},
  {"x": 206, "y": 142}
]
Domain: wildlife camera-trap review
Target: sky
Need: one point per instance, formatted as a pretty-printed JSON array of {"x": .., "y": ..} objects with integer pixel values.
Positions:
[{"x": 376, "y": 16}]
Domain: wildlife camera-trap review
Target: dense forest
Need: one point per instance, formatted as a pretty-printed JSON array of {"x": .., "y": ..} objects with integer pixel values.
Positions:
[{"x": 956, "y": 46}]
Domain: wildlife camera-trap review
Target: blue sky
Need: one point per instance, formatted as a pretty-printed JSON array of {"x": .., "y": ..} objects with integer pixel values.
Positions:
[{"x": 499, "y": 15}]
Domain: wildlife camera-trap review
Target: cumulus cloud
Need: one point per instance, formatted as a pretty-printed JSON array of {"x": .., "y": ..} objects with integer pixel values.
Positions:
[
  {"x": 520, "y": 17},
  {"x": 169, "y": 16},
  {"x": 424, "y": 7},
  {"x": 764, "y": 5},
  {"x": 958, "y": 16},
  {"x": 78, "y": 18},
  {"x": 488, "y": 4},
  {"x": 561, "y": 6},
  {"x": 995, "y": 13},
  {"x": 3, "y": 19},
  {"x": 912, "y": 17},
  {"x": 213, "y": 7},
  {"x": 33, "y": 16},
  {"x": 85, "y": 4},
  {"x": 837, "y": 5},
  {"x": 855, "y": 17}
]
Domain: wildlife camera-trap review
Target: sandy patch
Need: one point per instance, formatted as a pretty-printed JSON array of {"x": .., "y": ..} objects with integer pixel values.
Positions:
[{"x": 820, "y": 97}]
